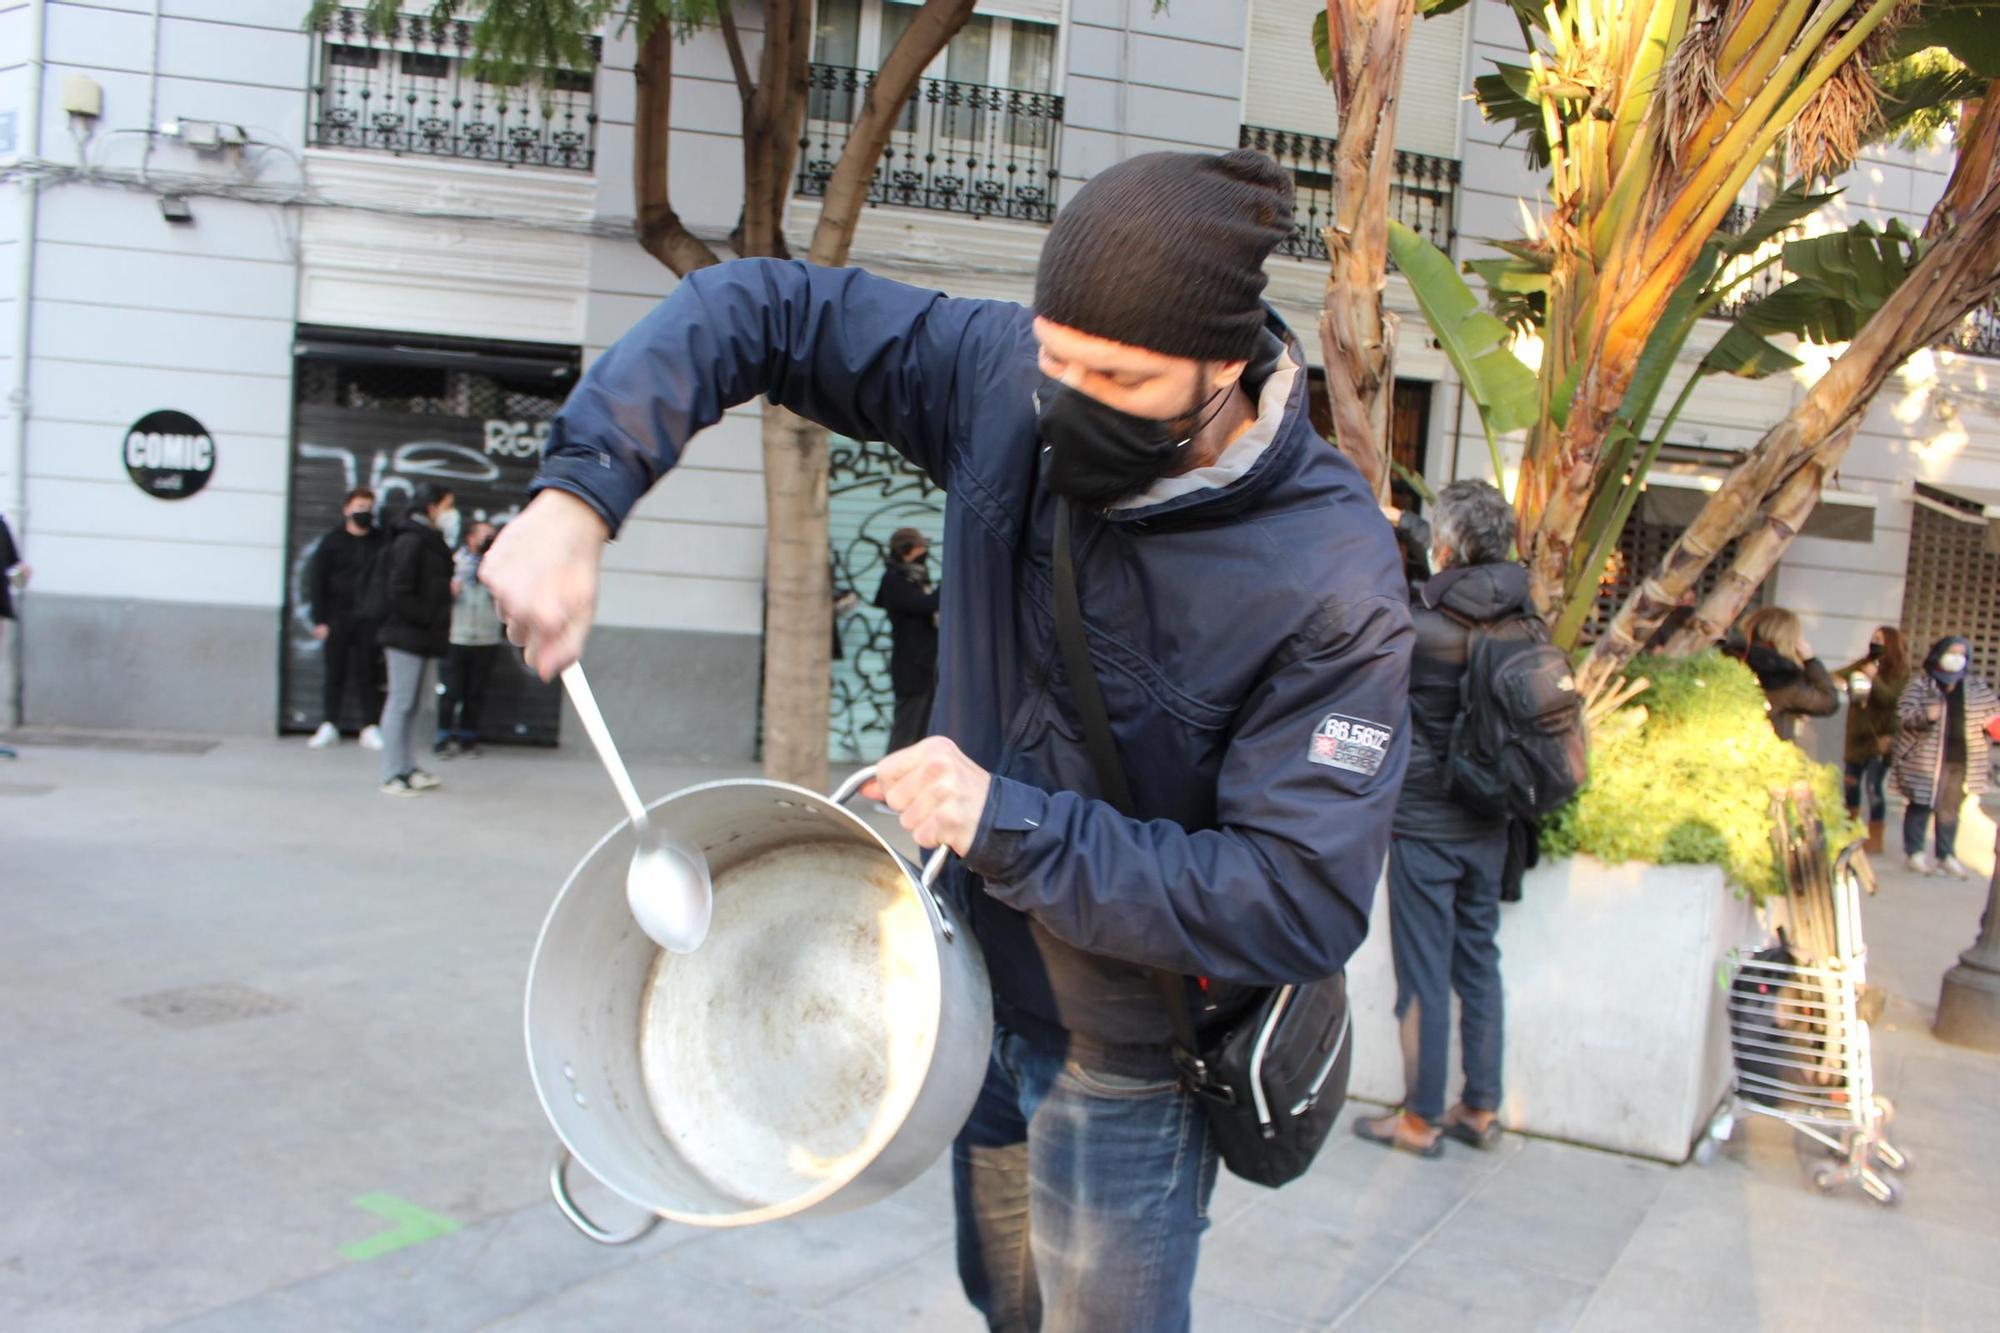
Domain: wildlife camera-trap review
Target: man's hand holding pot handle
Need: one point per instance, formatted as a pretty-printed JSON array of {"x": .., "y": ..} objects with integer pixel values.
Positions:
[{"x": 542, "y": 572}]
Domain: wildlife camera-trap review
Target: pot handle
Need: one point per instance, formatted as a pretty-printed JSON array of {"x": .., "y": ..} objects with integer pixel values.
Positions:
[
  {"x": 559, "y": 1187},
  {"x": 933, "y": 867}
]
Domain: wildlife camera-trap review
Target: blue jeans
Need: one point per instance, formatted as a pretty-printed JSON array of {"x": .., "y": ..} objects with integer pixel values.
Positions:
[
  {"x": 1444, "y": 926},
  {"x": 1081, "y": 1196},
  {"x": 1917, "y": 818},
  {"x": 1865, "y": 778}
]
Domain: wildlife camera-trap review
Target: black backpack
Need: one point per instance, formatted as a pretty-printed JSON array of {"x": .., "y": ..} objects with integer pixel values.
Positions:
[
  {"x": 1518, "y": 746},
  {"x": 373, "y": 604}
]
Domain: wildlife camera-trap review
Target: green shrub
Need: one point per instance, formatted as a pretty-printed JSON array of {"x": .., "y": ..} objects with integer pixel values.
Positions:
[{"x": 1684, "y": 774}]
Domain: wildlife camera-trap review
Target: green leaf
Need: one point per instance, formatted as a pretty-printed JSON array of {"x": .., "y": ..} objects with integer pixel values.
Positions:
[
  {"x": 1431, "y": 9},
  {"x": 1504, "y": 390},
  {"x": 1969, "y": 29},
  {"x": 1740, "y": 352},
  {"x": 1664, "y": 343},
  {"x": 1920, "y": 95},
  {"x": 1508, "y": 98},
  {"x": 1322, "y": 46},
  {"x": 1790, "y": 207}
]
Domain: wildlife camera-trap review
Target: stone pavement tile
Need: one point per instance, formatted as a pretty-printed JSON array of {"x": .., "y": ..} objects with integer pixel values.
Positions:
[
  {"x": 1569, "y": 1212},
  {"x": 657, "y": 1295},
  {"x": 1219, "y": 1314},
  {"x": 1527, "y": 1297},
  {"x": 1637, "y": 1297},
  {"x": 1953, "y": 1305},
  {"x": 1362, "y": 1192},
  {"x": 1843, "y": 1308},
  {"x": 1293, "y": 1272},
  {"x": 921, "y": 1294},
  {"x": 808, "y": 1263}
]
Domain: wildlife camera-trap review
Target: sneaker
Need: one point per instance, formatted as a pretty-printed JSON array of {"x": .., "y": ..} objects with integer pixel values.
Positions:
[
  {"x": 371, "y": 738},
  {"x": 471, "y": 749},
  {"x": 1955, "y": 868},
  {"x": 328, "y": 734},
  {"x": 447, "y": 749},
  {"x": 398, "y": 787},
  {"x": 422, "y": 781},
  {"x": 1918, "y": 863}
]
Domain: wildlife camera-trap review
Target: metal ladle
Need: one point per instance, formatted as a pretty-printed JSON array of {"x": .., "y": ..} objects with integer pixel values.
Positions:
[{"x": 667, "y": 885}]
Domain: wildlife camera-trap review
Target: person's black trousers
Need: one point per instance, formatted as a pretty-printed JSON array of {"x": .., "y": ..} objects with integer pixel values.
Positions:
[
  {"x": 349, "y": 653},
  {"x": 913, "y": 719},
  {"x": 467, "y": 667}
]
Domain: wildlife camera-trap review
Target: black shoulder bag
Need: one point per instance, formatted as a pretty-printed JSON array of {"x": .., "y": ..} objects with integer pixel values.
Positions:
[{"x": 1274, "y": 1080}]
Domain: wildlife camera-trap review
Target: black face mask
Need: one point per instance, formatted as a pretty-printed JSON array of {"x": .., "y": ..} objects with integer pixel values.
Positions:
[
  {"x": 1096, "y": 453},
  {"x": 362, "y": 518},
  {"x": 1875, "y": 651}
]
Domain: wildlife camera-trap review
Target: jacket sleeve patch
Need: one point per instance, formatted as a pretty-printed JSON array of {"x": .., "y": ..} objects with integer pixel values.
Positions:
[{"x": 1350, "y": 743}]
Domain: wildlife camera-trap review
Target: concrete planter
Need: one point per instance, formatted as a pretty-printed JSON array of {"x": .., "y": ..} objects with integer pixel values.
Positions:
[{"x": 1616, "y": 1030}]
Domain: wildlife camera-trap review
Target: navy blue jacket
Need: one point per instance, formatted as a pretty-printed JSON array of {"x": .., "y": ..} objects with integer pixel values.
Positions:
[{"x": 1253, "y": 640}]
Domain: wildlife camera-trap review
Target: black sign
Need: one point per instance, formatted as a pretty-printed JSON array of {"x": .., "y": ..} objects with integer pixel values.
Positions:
[{"x": 169, "y": 454}]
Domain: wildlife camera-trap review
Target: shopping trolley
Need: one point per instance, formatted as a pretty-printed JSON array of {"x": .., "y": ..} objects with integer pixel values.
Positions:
[{"x": 1798, "y": 1017}]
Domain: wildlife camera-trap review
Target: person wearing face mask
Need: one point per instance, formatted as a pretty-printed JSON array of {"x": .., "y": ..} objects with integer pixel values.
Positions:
[
  {"x": 907, "y": 595},
  {"x": 1941, "y": 754},
  {"x": 475, "y": 647},
  {"x": 417, "y": 626},
  {"x": 1795, "y": 682},
  {"x": 348, "y": 652},
  {"x": 1244, "y": 612},
  {"x": 1874, "y": 683}
]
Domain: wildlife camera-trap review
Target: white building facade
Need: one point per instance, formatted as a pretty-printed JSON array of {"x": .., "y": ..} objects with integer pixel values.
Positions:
[{"x": 249, "y": 266}]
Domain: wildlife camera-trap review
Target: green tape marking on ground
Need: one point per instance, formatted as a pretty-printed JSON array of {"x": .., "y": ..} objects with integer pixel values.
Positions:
[{"x": 414, "y": 1226}]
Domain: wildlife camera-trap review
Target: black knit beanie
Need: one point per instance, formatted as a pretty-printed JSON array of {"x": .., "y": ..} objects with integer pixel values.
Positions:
[{"x": 1166, "y": 251}]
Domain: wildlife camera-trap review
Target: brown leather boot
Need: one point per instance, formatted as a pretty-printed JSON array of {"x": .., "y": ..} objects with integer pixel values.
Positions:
[{"x": 1874, "y": 844}]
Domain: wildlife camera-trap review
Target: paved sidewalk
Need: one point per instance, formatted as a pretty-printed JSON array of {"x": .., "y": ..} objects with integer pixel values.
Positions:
[{"x": 261, "y": 1028}]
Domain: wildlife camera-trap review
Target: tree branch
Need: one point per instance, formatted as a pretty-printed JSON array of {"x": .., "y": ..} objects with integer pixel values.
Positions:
[
  {"x": 658, "y": 227},
  {"x": 737, "y": 64}
]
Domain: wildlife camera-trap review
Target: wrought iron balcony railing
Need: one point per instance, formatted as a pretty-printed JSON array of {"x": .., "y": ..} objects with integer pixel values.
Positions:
[
  {"x": 959, "y": 147},
  {"x": 1420, "y": 196},
  {"x": 414, "y": 90}
]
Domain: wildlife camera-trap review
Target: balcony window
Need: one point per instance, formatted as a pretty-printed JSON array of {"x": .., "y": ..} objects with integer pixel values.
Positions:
[
  {"x": 978, "y": 136},
  {"x": 413, "y": 90},
  {"x": 1420, "y": 194}
]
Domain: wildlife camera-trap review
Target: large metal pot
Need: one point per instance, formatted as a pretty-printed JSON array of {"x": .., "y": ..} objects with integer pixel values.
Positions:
[{"x": 818, "y": 1051}]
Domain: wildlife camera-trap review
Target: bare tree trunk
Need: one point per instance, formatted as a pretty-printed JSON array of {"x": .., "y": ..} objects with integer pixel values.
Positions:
[
  {"x": 1771, "y": 492},
  {"x": 1367, "y": 40},
  {"x": 798, "y": 607},
  {"x": 798, "y": 617},
  {"x": 660, "y": 230}
]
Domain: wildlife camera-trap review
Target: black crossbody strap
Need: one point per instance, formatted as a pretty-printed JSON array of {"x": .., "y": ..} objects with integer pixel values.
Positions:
[{"x": 1098, "y": 740}]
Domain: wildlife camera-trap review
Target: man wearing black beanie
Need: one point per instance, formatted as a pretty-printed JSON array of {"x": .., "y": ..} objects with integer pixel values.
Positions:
[{"x": 1243, "y": 608}]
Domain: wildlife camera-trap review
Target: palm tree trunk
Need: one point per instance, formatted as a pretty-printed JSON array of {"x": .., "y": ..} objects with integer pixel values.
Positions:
[
  {"x": 1367, "y": 41},
  {"x": 1769, "y": 494}
]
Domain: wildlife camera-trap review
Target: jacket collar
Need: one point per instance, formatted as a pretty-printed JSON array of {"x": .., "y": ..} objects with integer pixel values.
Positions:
[{"x": 1272, "y": 449}]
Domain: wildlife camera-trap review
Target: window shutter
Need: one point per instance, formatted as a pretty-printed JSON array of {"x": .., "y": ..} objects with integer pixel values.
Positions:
[{"x": 1285, "y": 91}]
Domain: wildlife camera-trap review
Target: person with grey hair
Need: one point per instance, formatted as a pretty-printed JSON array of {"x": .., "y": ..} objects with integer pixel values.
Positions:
[{"x": 1445, "y": 860}]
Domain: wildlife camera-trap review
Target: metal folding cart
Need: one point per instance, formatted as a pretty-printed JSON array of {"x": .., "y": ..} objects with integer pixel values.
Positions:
[{"x": 1799, "y": 1012}]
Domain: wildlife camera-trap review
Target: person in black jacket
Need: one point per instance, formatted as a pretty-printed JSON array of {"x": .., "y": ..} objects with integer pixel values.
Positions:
[
  {"x": 416, "y": 628},
  {"x": 910, "y": 599},
  {"x": 1795, "y": 682},
  {"x": 12, "y": 569},
  {"x": 334, "y": 580},
  {"x": 1446, "y": 862}
]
